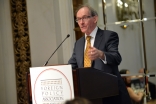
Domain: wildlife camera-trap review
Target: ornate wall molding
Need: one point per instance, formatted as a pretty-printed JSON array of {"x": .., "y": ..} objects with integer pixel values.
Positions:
[{"x": 21, "y": 46}]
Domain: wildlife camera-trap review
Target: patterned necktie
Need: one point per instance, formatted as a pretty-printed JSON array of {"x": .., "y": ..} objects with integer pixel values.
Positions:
[{"x": 87, "y": 61}]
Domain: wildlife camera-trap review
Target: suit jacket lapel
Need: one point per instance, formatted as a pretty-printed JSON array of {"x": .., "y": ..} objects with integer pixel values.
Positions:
[{"x": 98, "y": 38}]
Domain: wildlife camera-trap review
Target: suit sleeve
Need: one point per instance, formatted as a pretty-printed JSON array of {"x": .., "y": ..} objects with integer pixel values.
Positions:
[
  {"x": 112, "y": 54},
  {"x": 72, "y": 60}
]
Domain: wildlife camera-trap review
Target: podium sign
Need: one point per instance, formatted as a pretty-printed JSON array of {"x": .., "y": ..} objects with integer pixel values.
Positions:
[{"x": 51, "y": 84}]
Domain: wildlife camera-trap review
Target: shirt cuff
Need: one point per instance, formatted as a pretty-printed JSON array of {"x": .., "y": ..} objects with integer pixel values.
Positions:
[{"x": 104, "y": 61}]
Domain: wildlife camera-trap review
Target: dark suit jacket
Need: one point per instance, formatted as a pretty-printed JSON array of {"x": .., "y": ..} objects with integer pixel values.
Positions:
[{"x": 106, "y": 41}]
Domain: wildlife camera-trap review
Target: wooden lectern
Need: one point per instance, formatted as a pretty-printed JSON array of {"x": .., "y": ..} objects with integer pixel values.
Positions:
[
  {"x": 94, "y": 84},
  {"x": 90, "y": 83}
]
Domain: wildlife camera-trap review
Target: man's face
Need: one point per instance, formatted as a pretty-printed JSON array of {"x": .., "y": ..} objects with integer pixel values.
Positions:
[{"x": 86, "y": 22}]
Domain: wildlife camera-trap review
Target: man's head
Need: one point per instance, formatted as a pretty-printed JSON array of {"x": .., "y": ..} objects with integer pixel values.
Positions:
[
  {"x": 127, "y": 79},
  {"x": 86, "y": 17},
  {"x": 142, "y": 70},
  {"x": 78, "y": 100}
]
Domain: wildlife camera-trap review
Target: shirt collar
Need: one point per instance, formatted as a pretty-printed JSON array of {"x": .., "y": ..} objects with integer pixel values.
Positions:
[{"x": 93, "y": 33}]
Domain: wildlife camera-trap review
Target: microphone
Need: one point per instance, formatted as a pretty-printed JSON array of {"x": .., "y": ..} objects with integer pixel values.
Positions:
[{"x": 56, "y": 50}]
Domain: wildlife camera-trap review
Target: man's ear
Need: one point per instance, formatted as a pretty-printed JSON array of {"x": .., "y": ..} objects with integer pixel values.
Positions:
[{"x": 95, "y": 19}]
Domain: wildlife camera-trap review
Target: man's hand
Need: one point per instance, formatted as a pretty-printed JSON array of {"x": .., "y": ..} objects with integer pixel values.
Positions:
[{"x": 94, "y": 53}]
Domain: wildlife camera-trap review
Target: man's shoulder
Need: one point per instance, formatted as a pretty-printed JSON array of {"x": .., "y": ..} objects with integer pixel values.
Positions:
[
  {"x": 106, "y": 31},
  {"x": 81, "y": 39}
]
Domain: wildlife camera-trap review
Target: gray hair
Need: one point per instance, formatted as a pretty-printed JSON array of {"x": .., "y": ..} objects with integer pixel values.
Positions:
[{"x": 92, "y": 11}]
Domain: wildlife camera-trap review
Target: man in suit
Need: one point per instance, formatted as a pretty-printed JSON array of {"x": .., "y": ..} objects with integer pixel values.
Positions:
[{"x": 103, "y": 51}]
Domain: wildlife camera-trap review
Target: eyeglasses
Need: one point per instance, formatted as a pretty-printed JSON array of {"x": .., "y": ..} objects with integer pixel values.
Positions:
[{"x": 85, "y": 18}]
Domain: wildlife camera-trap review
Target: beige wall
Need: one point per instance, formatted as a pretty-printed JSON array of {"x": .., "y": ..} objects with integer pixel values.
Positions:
[
  {"x": 49, "y": 23},
  {"x": 7, "y": 68}
]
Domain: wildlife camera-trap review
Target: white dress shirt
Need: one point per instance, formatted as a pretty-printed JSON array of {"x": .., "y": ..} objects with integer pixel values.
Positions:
[{"x": 93, "y": 34}]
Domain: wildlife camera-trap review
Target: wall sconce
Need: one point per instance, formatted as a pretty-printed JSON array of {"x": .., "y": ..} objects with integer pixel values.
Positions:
[
  {"x": 124, "y": 26},
  {"x": 126, "y": 11}
]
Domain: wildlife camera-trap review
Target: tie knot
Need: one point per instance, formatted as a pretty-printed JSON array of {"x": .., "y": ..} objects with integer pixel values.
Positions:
[{"x": 88, "y": 38}]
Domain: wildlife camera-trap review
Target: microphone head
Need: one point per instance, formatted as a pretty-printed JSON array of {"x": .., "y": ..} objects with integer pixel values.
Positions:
[{"x": 68, "y": 35}]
